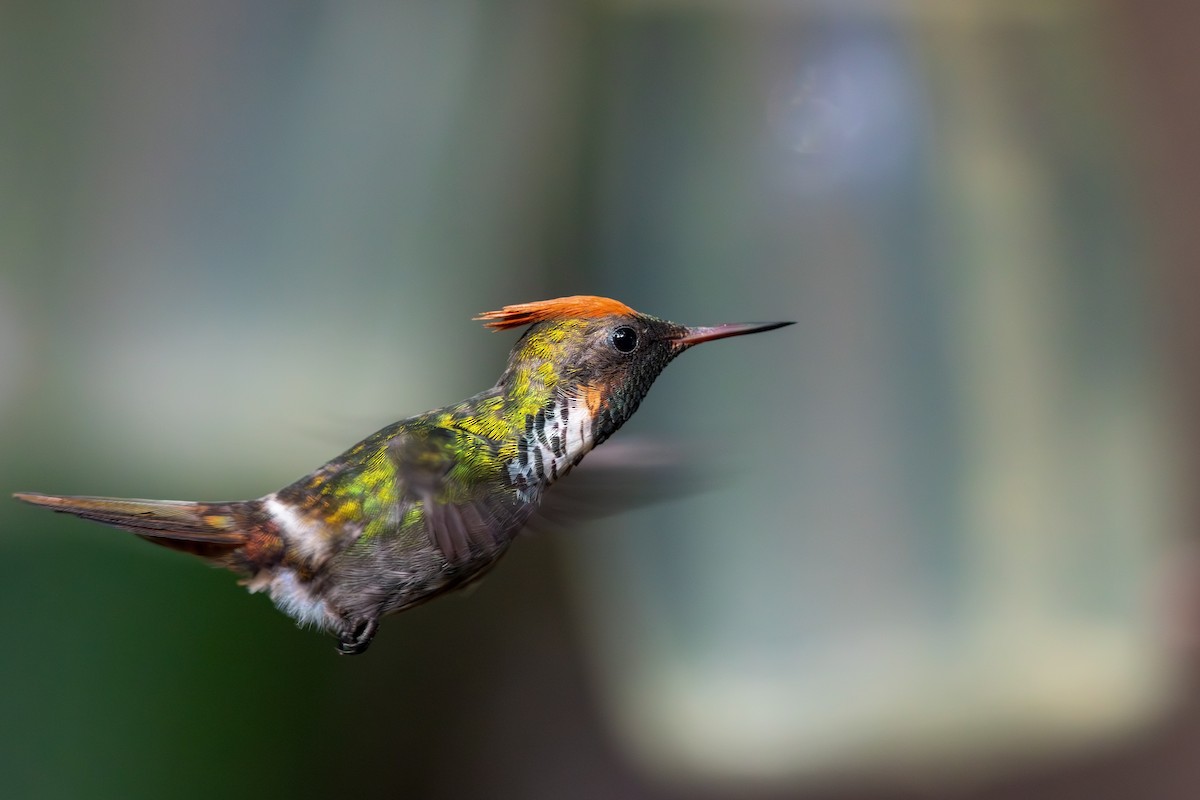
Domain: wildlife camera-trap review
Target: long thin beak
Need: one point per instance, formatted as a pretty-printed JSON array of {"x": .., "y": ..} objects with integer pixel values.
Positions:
[{"x": 697, "y": 335}]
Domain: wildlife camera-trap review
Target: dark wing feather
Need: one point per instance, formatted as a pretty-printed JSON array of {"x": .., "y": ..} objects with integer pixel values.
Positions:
[{"x": 465, "y": 531}]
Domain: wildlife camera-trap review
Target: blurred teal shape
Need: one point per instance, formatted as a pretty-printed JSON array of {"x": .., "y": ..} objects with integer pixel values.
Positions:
[{"x": 951, "y": 505}]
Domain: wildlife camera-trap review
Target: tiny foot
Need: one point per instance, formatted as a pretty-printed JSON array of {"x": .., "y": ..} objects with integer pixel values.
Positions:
[{"x": 358, "y": 638}]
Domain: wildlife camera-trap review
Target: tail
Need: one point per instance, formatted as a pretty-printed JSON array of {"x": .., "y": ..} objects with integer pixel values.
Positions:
[{"x": 240, "y": 536}]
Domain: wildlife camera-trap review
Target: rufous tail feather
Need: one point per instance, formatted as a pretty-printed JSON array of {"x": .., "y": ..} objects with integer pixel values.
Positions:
[{"x": 235, "y": 535}]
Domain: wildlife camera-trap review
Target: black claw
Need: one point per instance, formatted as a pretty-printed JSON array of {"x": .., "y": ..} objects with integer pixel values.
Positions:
[{"x": 358, "y": 639}]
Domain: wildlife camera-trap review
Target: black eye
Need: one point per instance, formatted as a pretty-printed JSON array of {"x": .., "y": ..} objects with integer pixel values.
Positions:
[{"x": 624, "y": 339}]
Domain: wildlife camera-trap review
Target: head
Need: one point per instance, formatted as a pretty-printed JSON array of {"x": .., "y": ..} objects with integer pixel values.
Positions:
[{"x": 598, "y": 350}]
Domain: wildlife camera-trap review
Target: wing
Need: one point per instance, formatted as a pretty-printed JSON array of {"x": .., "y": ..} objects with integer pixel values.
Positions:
[
  {"x": 407, "y": 488},
  {"x": 453, "y": 481},
  {"x": 627, "y": 474}
]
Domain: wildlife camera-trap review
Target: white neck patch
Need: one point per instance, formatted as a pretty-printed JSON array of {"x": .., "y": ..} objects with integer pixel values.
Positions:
[{"x": 554, "y": 441}]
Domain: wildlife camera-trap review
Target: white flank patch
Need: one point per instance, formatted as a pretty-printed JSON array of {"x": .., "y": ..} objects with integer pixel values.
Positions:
[
  {"x": 306, "y": 537},
  {"x": 294, "y": 599}
]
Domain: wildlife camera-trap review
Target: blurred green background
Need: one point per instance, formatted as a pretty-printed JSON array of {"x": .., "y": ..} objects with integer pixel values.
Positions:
[{"x": 948, "y": 551}]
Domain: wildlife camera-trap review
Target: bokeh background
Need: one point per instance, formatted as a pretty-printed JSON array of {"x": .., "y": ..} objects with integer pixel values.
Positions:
[{"x": 945, "y": 543}]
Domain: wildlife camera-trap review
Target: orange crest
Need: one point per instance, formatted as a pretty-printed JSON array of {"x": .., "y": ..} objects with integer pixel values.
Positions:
[{"x": 574, "y": 307}]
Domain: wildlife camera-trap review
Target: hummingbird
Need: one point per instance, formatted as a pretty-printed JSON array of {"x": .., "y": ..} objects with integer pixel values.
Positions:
[{"x": 428, "y": 504}]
